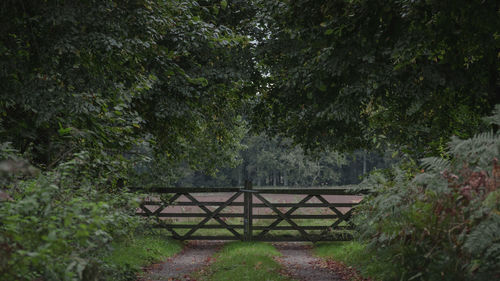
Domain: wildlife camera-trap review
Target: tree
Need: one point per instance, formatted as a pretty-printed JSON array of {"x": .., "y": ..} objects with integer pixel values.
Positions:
[
  {"x": 90, "y": 87},
  {"x": 273, "y": 162},
  {"x": 107, "y": 76},
  {"x": 348, "y": 73}
]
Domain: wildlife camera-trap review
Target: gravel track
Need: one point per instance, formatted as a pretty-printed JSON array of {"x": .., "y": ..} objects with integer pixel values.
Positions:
[
  {"x": 300, "y": 264},
  {"x": 195, "y": 255}
]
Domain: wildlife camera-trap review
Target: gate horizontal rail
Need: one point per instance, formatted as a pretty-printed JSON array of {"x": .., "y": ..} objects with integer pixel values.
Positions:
[
  {"x": 313, "y": 191},
  {"x": 310, "y": 205},
  {"x": 340, "y": 229}
]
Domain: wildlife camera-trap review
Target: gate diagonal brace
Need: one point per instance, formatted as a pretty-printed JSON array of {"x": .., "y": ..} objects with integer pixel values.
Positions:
[
  {"x": 342, "y": 217},
  {"x": 165, "y": 205},
  {"x": 211, "y": 215},
  {"x": 159, "y": 210},
  {"x": 289, "y": 212},
  {"x": 291, "y": 222},
  {"x": 142, "y": 206},
  {"x": 146, "y": 210},
  {"x": 216, "y": 217}
]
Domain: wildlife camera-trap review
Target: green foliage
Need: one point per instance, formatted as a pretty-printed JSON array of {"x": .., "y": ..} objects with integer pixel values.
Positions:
[
  {"x": 350, "y": 74},
  {"x": 53, "y": 232},
  {"x": 443, "y": 222},
  {"x": 105, "y": 76},
  {"x": 55, "y": 225},
  {"x": 356, "y": 254},
  {"x": 13, "y": 166},
  {"x": 92, "y": 90},
  {"x": 244, "y": 261}
]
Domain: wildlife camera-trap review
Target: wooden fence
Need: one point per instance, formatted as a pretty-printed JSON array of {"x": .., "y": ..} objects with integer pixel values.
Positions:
[{"x": 338, "y": 225}]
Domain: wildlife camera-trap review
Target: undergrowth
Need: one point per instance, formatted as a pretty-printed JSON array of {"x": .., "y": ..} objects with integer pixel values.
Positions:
[
  {"x": 129, "y": 255},
  {"x": 62, "y": 225},
  {"x": 440, "y": 220},
  {"x": 355, "y": 254}
]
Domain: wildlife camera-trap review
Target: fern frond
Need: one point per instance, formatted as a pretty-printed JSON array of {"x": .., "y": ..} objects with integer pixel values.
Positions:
[
  {"x": 435, "y": 164},
  {"x": 495, "y": 118},
  {"x": 476, "y": 151}
]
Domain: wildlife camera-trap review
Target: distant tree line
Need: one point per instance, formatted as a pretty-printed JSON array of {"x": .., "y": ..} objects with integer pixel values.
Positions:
[{"x": 277, "y": 162}]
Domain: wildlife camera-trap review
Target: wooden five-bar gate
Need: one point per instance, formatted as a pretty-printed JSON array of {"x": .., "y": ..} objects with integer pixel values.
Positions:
[{"x": 169, "y": 213}]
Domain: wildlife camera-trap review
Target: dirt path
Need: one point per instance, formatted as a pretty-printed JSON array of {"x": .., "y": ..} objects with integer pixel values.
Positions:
[
  {"x": 300, "y": 264},
  {"x": 195, "y": 255}
]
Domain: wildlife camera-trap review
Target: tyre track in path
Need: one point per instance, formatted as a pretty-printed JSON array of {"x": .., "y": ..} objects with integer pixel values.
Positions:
[
  {"x": 194, "y": 256},
  {"x": 299, "y": 263}
]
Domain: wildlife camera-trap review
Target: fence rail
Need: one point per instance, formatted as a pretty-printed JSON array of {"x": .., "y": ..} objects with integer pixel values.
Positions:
[{"x": 339, "y": 225}]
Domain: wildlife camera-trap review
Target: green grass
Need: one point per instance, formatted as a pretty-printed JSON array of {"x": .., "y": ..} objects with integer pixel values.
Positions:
[
  {"x": 357, "y": 255},
  {"x": 142, "y": 250},
  {"x": 252, "y": 261}
]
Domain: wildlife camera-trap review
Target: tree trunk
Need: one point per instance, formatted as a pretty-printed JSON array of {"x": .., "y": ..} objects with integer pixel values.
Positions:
[
  {"x": 317, "y": 174},
  {"x": 240, "y": 175},
  {"x": 285, "y": 179},
  {"x": 364, "y": 162},
  {"x": 259, "y": 179}
]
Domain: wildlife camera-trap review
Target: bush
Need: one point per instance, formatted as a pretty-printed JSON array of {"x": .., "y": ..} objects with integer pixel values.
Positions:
[
  {"x": 441, "y": 222},
  {"x": 56, "y": 228}
]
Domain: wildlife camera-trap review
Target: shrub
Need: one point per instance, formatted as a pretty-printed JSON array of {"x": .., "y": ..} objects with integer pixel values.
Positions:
[
  {"x": 441, "y": 222},
  {"x": 56, "y": 228}
]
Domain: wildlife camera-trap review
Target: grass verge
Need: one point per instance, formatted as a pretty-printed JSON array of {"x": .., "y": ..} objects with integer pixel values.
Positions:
[
  {"x": 134, "y": 253},
  {"x": 356, "y": 254},
  {"x": 252, "y": 261}
]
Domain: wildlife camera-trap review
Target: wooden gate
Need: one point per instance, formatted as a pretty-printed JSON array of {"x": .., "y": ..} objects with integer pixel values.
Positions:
[{"x": 251, "y": 223}]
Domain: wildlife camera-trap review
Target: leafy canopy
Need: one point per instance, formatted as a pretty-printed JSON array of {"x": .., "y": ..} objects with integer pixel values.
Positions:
[
  {"x": 350, "y": 73},
  {"x": 107, "y": 75}
]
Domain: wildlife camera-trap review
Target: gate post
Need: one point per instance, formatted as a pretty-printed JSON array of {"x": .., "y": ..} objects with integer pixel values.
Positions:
[{"x": 247, "y": 211}]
